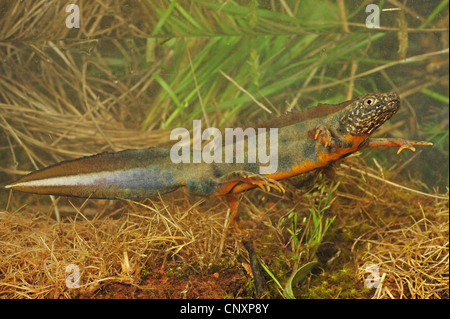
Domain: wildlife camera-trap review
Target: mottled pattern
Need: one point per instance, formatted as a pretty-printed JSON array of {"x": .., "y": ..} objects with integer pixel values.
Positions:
[{"x": 369, "y": 112}]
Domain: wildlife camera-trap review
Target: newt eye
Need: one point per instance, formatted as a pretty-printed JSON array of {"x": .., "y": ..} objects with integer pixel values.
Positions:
[{"x": 369, "y": 101}]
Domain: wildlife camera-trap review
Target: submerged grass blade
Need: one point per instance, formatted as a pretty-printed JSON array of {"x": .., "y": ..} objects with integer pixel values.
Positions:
[{"x": 296, "y": 277}]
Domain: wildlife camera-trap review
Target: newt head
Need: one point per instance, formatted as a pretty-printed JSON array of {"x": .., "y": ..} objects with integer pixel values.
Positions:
[{"x": 368, "y": 112}]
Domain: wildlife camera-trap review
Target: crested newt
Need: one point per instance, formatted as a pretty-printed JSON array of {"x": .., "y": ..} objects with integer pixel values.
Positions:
[{"x": 306, "y": 140}]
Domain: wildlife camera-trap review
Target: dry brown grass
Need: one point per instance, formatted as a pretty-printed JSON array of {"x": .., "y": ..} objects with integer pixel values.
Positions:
[
  {"x": 116, "y": 243},
  {"x": 59, "y": 108},
  {"x": 411, "y": 256},
  {"x": 142, "y": 237},
  {"x": 43, "y": 20}
]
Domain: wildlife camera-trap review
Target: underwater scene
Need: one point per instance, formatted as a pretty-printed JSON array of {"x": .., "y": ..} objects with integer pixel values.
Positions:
[{"x": 224, "y": 149}]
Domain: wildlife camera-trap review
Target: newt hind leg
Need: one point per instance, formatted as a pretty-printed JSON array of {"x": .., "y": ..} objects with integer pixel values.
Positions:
[
  {"x": 233, "y": 203},
  {"x": 233, "y": 183},
  {"x": 230, "y": 181},
  {"x": 260, "y": 284}
]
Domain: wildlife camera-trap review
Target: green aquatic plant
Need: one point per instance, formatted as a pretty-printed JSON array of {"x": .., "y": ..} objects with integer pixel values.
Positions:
[{"x": 314, "y": 230}]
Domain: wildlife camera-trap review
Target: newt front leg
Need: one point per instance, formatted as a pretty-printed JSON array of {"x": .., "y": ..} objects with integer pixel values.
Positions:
[
  {"x": 400, "y": 143},
  {"x": 322, "y": 135}
]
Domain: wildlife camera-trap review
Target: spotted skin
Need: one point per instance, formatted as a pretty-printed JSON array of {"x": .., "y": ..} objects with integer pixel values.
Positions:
[{"x": 371, "y": 111}]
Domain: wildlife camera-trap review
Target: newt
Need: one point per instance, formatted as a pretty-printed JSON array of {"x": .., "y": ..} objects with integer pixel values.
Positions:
[{"x": 307, "y": 140}]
